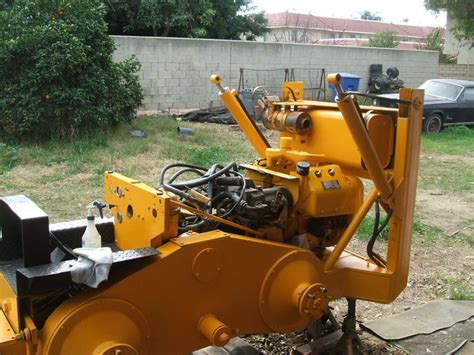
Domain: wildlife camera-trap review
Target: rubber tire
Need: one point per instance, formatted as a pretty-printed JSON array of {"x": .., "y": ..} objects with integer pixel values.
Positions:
[
  {"x": 393, "y": 72},
  {"x": 433, "y": 124}
]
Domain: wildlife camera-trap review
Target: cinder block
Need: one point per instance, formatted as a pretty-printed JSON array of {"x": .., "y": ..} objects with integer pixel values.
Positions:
[
  {"x": 178, "y": 74},
  {"x": 186, "y": 64},
  {"x": 172, "y": 67}
]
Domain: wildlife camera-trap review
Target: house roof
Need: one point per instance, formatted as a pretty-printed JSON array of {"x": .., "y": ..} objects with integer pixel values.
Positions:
[
  {"x": 288, "y": 19},
  {"x": 360, "y": 42}
]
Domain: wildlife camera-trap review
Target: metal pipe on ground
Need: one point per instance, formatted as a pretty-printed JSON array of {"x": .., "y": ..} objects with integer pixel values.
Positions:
[{"x": 185, "y": 131}]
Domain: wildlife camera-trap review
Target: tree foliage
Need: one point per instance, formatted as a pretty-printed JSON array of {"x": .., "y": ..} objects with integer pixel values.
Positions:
[
  {"x": 435, "y": 42},
  {"x": 57, "y": 76},
  {"x": 462, "y": 12},
  {"x": 384, "y": 39},
  {"x": 224, "y": 19},
  {"x": 367, "y": 15}
]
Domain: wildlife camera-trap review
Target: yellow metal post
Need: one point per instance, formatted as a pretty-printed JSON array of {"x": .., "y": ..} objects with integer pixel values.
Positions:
[{"x": 248, "y": 126}]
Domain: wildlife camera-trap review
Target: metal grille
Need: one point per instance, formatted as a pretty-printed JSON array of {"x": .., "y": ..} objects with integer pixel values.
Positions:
[
  {"x": 253, "y": 81},
  {"x": 314, "y": 82},
  {"x": 270, "y": 79}
]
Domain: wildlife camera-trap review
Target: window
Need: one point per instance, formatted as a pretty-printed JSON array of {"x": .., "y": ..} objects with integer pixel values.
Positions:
[
  {"x": 301, "y": 37},
  {"x": 441, "y": 89},
  {"x": 469, "y": 94}
]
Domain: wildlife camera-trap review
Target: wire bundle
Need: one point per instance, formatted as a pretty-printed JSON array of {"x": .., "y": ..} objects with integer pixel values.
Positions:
[{"x": 223, "y": 186}]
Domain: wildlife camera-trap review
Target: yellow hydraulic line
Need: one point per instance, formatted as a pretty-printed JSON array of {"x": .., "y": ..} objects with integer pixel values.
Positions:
[
  {"x": 354, "y": 121},
  {"x": 350, "y": 230},
  {"x": 245, "y": 122}
]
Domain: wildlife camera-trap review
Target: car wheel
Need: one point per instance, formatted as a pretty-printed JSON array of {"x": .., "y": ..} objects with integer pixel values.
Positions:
[{"x": 433, "y": 123}]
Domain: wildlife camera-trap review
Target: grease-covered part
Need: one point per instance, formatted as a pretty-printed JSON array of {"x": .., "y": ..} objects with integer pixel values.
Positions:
[{"x": 291, "y": 121}]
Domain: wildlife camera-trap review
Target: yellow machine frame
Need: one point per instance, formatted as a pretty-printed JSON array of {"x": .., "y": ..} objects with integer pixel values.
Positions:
[{"x": 205, "y": 288}]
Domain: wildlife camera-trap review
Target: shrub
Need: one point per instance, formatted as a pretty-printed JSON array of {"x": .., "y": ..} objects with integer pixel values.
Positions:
[
  {"x": 384, "y": 39},
  {"x": 57, "y": 76}
]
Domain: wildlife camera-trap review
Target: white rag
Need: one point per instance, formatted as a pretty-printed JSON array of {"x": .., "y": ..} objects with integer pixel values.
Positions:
[{"x": 92, "y": 267}]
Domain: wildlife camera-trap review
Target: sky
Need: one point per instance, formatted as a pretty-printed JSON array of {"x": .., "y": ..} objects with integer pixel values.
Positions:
[{"x": 391, "y": 11}]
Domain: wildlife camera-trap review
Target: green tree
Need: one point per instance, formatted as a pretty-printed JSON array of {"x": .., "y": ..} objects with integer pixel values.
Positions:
[
  {"x": 165, "y": 18},
  {"x": 462, "y": 13},
  {"x": 367, "y": 15},
  {"x": 384, "y": 39},
  {"x": 236, "y": 18},
  {"x": 57, "y": 76},
  {"x": 435, "y": 42},
  {"x": 225, "y": 19}
]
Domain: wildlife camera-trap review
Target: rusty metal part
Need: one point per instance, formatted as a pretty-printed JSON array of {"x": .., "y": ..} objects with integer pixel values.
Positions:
[
  {"x": 217, "y": 219},
  {"x": 291, "y": 121}
]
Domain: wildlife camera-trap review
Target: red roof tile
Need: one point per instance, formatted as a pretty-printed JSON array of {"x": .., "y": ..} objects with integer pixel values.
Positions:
[
  {"x": 288, "y": 19},
  {"x": 357, "y": 42}
]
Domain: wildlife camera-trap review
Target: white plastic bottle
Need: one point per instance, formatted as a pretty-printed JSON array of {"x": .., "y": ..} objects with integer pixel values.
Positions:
[{"x": 91, "y": 237}]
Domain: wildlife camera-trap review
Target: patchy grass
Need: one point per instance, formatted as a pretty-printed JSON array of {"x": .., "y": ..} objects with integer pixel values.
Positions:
[
  {"x": 447, "y": 163},
  {"x": 450, "y": 175},
  {"x": 458, "y": 140},
  {"x": 421, "y": 231},
  {"x": 63, "y": 177},
  {"x": 364, "y": 232},
  {"x": 453, "y": 287}
]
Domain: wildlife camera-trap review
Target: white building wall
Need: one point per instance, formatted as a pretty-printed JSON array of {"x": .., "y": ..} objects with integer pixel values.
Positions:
[{"x": 463, "y": 51}]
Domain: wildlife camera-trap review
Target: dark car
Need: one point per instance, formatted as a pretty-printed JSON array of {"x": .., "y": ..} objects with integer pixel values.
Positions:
[{"x": 448, "y": 102}]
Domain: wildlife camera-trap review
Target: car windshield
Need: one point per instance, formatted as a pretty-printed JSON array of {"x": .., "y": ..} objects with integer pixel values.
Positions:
[{"x": 440, "y": 89}]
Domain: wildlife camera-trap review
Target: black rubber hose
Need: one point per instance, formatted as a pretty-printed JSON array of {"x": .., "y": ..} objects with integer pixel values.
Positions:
[
  {"x": 210, "y": 186},
  {"x": 171, "y": 188},
  {"x": 376, "y": 258},
  {"x": 205, "y": 179},
  {"x": 241, "y": 197},
  {"x": 220, "y": 196},
  {"x": 181, "y": 172},
  {"x": 192, "y": 226},
  {"x": 178, "y": 165}
]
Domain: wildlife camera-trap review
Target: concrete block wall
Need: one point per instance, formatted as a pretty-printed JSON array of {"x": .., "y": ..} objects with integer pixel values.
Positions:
[
  {"x": 175, "y": 71},
  {"x": 456, "y": 71}
]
